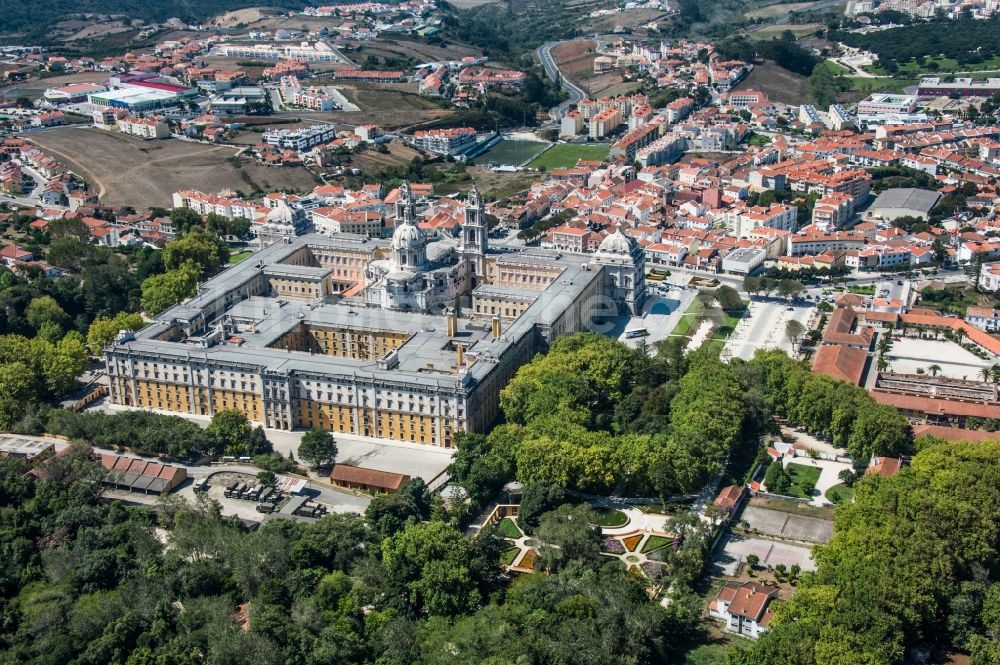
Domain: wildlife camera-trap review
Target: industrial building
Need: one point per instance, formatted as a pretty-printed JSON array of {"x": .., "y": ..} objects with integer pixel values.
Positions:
[
  {"x": 903, "y": 202},
  {"x": 141, "y": 96}
]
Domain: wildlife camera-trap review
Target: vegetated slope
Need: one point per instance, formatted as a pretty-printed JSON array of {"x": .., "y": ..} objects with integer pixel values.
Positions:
[
  {"x": 32, "y": 19},
  {"x": 967, "y": 40}
]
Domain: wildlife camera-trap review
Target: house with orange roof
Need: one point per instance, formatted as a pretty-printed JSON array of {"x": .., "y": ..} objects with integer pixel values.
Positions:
[
  {"x": 744, "y": 608},
  {"x": 887, "y": 467}
]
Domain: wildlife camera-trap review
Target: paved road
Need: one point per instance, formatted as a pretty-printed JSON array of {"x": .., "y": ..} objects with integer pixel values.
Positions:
[
  {"x": 412, "y": 459},
  {"x": 339, "y": 501},
  {"x": 576, "y": 93}
]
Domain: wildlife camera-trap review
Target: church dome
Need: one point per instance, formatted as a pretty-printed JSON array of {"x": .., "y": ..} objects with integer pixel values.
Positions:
[
  {"x": 617, "y": 243},
  {"x": 408, "y": 236},
  {"x": 280, "y": 215}
]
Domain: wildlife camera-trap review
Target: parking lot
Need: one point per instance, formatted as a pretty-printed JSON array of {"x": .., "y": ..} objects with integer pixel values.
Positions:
[
  {"x": 734, "y": 550},
  {"x": 764, "y": 328},
  {"x": 780, "y": 524},
  {"x": 908, "y": 354}
]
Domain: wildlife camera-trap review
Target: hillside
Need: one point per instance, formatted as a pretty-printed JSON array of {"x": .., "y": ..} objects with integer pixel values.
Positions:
[{"x": 31, "y": 20}]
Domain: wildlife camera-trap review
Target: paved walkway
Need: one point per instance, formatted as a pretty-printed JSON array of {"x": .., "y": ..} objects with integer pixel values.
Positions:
[{"x": 811, "y": 442}]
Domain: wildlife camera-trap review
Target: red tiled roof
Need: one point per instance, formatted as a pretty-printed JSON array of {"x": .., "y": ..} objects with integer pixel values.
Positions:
[
  {"x": 344, "y": 473},
  {"x": 936, "y": 406}
]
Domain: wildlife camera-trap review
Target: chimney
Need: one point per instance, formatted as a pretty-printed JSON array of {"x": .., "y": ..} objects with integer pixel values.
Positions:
[
  {"x": 461, "y": 356},
  {"x": 451, "y": 323},
  {"x": 496, "y": 327}
]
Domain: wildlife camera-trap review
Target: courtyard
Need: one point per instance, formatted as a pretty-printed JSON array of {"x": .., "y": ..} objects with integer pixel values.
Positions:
[
  {"x": 824, "y": 474},
  {"x": 734, "y": 549},
  {"x": 764, "y": 328},
  {"x": 910, "y": 354}
]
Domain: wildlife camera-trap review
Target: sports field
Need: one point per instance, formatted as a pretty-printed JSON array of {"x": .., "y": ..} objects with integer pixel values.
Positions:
[
  {"x": 565, "y": 155},
  {"x": 511, "y": 152}
]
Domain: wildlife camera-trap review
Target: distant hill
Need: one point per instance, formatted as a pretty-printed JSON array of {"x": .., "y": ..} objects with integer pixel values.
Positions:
[{"x": 34, "y": 18}]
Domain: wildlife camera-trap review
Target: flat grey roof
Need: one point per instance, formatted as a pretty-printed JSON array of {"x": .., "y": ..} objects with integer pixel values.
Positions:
[
  {"x": 907, "y": 198},
  {"x": 743, "y": 253},
  {"x": 428, "y": 356}
]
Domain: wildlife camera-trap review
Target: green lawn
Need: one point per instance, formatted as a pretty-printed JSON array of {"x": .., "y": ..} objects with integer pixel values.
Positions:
[
  {"x": 508, "y": 529},
  {"x": 801, "y": 475},
  {"x": 512, "y": 152},
  {"x": 655, "y": 543},
  {"x": 896, "y": 85},
  {"x": 728, "y": 324},
  {"x": 240, "y": 256},
  {"x": 711, "y": 653},
  {"x": 836, "y": 69},
  {"x": 840, "y": 494},
  {"x": 507, "y": 556},
  {"x": 565, "y": 155},
  {"x": 691, "y": 317},
  {"x": 610, "y": 517}
]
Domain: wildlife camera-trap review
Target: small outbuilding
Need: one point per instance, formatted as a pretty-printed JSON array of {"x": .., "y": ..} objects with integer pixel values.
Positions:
[{"x": 368, "y": 480}]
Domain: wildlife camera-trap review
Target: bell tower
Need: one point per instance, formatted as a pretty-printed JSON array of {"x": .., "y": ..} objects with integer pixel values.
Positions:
[
  {"x": 406, "y": 205},
  {"x": 475, "y": 236}
]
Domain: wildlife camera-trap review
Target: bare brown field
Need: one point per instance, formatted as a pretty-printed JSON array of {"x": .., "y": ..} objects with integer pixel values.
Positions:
[
  {"x": 575, "y": 57},
  {"x": 780, "y": 84},
  {"x": 394, "y": 47},
  {"x": 238, "y": 16},
  {"x": 633, "y": 18},
  {"x": 371, "y": 161},
  {"x": 776, "y": 10},
  {"x": 499, "y": 185},
  {"x": 393, "y": 119},
  {"x": 129, "y": 171},
  {"x": 35, "y": 87}
]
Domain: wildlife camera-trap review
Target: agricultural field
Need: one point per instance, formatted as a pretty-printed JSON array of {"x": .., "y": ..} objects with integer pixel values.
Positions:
[
  {"x": 35, "y": 87},
  {"x": 634, "y": 18},
  {"x": 400, "y": 48},
  {"x": 380, "y": 98},
  {"x": 239, "y": 17},
  {"x": 497, "y": 185},
  {"x": 576, "y": 57},
  {"x": 511, "y": 152},
  {"x": 125, "y": 170},
  {"x": 778, "y": 9},
  {"x": 780, "y": 84},
  {"x": 565, "y": 155},
  {"x": 798, "y": 29},
  {"x": 371, "y": 161}
]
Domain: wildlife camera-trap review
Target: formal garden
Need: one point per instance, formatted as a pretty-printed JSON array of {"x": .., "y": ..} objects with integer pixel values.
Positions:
[{"x": 640, "y": 550}]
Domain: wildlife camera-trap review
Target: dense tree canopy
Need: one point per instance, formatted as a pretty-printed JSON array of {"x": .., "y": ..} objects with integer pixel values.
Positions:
[
  {"x": 88, "y": 581},
  {"x": 911, "y": 565},
  {"x": 36, "y": 370},
  {"x": 842, "y": 412},
  {"x": 595, "y": 416},
  {"x": 967, "y": 40}
]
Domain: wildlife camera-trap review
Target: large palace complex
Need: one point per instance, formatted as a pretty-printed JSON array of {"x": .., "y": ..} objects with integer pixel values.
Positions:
[{"x": 410, "y": 339}]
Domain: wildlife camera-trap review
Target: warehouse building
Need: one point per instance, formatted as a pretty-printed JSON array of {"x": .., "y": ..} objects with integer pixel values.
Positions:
[
  {"x": 902, "y": 202},
  {"x": 142, "y": 97}
]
